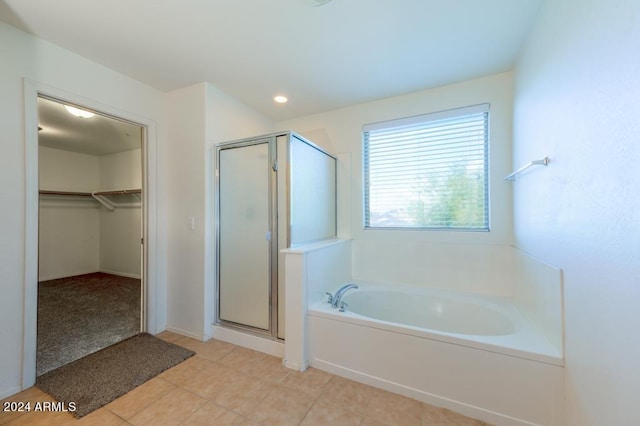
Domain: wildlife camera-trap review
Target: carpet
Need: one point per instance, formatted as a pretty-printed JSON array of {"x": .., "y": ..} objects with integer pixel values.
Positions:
[
  {"x": 82, "y": 314},
  {"x": 97, "y": 379}
]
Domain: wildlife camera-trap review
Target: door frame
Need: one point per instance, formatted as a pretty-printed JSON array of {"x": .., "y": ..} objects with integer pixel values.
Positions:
[
  {"x": 150, "y": 261},
  {"x": 271, "y": 164}
]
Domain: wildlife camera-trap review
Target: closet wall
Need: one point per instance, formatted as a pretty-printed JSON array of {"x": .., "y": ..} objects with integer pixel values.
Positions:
[
  {"x": 121, "y": 229},
  {"x": 77, "y": 234}
]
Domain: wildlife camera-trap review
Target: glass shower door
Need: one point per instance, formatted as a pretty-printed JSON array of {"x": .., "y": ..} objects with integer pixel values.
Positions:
[{"x": 244, "y": 235}]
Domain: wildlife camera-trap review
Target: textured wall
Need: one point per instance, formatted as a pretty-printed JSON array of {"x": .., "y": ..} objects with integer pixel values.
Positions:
[{"x": 576, "y": 100}]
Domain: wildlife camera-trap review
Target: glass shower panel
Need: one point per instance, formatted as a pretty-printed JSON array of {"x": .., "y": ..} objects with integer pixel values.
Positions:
[
  {"x": 313, "y": 193},
  {"x": 244, "y": 286}
]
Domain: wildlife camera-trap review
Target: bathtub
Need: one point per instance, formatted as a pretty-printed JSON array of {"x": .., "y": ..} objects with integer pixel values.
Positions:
[
  {"x": 436, "y": 311},
  {"x": 478, "y": 355}
]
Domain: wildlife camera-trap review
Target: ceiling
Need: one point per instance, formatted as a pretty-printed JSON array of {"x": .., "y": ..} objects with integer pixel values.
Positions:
[
  {"x": 325, "y": 57},
  {"x": 98, "y": 135}
]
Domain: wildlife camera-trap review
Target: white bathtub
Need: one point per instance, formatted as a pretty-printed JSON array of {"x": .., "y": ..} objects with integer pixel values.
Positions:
[
  {"x": 475, "y": 354},
  {"x": 435, "y": 310}
]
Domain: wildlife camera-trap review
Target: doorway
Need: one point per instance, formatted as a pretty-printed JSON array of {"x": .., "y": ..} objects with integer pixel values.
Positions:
[{"x": 91, "y": 263}]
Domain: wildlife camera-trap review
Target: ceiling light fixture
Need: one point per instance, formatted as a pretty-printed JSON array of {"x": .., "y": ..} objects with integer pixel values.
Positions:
[
  {"x": 281, "y": 99},
  {"x": 79, "y": 112}
]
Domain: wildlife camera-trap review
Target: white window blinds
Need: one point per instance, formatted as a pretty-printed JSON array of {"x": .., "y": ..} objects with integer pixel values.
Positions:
[{"x": 428, "y": 171}]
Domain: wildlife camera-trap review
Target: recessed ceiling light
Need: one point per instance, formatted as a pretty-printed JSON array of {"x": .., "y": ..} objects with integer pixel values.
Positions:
[
  {"x": 280, "y": 99},
  {"x": 79, "y": 112}
]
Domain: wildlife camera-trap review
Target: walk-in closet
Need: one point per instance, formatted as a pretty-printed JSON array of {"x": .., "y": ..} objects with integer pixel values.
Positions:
[{"x": 90, "y": 263}]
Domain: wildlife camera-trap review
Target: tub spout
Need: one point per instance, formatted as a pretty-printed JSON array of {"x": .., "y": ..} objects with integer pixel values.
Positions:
[{"x": 337, "y": 298}]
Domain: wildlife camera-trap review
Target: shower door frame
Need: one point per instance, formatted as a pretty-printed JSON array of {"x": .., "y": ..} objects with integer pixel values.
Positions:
[{"x": 272, "y": 165}]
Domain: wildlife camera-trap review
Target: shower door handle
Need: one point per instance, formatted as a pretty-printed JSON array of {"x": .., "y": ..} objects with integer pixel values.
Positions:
[{"x": 268, "y": 236}]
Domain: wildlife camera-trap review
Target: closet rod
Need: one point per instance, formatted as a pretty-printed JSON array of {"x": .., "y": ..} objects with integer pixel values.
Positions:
[
  {"x": 77, "y": 194},
  {"x": 119, "y": 192}
]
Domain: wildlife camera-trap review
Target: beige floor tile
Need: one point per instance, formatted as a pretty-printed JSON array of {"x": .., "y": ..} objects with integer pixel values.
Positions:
[
  {"x": 210, "y": 381},
  {"x": 41, "y": 418},
  {"x": 100, "y": 417},
  {"x": 368, "y": 421},
  {"x": 212, "y": 350},
  {"x": 35, "y": 416},
  {"x": 312, "y": 381},
  {"x": 30, "y": 395},
  {"x": 212, "y": 414},
  {"x": 393, "y": 409},
  {"x": 183, "y": 373},
  {"x": 347, "y": 394},
  {"x": 243, "y": 394},
  {"x": 226, "y": 384},
  {"x": 241, "y": 358},
  {"x": 139, "y": 398},
  {"x": 7, "y": 416},
  {"x": 323, "y": 413},
  {"x": 282, "y": 406},
  {"x": 269, "y": 369},
  {"x": 171, "y": 409},
  {"x": 169, "y": 336},
  {"x": 435, "y": 416},
  {"x": 249, "y": 422}
]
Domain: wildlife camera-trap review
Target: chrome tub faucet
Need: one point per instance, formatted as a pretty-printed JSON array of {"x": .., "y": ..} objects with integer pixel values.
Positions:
[{"x": 335, "y": 299}]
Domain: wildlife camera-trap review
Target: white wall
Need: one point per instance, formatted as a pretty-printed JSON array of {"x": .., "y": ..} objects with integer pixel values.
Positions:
[
  {"x": 200, "y": 115},
  {"x": 68, "y": 171},
  {"x": 69, "y": 237},
  {"x": 120, "y": 233},
  {"x": 576, "y": 100},
  {"x": 122, "y": 170},
  {"x": 69, "y": 233},
  {"x": 121, "y": 229},
  {"x": 185, "y": 309},
  {"x": 59, "y": 71},
  {"x": 424, "y": 257}
]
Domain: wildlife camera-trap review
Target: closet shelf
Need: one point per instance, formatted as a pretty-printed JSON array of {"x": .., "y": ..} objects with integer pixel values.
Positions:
[
  {"x": 110, "y": 204},
  {"x": 100, "y": 196}
]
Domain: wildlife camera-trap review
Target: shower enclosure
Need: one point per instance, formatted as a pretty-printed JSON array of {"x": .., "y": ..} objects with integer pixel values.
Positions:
[{"x": 274, "y": 192}]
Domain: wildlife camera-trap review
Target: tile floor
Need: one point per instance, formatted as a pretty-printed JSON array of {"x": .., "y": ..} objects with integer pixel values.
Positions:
[{"x": 226, "y": 384}]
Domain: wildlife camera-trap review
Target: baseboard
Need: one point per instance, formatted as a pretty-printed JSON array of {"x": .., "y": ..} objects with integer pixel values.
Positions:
[
  {"x": 295, "y": 365},
  {"x": 488, "y": 416},
  {"x": 256, "y": 343},
  {"x": 10, "y": 392},
  {"x": 122, "y": 274},
  {"x": 73, "y": 274},
  {"x": 176, "y": 330}
]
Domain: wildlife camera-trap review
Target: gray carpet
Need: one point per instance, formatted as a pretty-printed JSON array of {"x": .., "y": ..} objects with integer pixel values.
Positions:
[
  {"x": 99, "y": 378},
  {"x": 83, "y": 314}
]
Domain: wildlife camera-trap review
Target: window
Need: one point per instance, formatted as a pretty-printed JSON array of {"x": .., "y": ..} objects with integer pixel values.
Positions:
[{"x": 429, "y": 171}]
